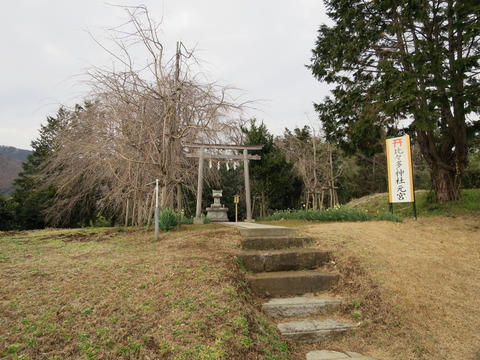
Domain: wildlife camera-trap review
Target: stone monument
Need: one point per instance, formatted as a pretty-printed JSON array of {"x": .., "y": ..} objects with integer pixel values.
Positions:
[{"x": 216, "y": 212}]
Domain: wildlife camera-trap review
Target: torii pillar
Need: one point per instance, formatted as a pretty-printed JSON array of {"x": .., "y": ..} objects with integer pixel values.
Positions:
[
  {"x": 198, "y": 213},
  {"x": 248, "y": 200}
]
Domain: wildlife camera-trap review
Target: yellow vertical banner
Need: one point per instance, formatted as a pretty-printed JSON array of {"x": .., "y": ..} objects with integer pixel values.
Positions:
[{"x": 400, "y": 171}]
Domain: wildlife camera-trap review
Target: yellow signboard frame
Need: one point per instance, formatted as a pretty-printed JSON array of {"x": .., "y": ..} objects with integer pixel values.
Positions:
[{"x": 400, "y": 171}]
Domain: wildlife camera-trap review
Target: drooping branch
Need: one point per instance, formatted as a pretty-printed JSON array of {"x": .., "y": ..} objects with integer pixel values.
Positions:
[{"x": 130, "y": 131}]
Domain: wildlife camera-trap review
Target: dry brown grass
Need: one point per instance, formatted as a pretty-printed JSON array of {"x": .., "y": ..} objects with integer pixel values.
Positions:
[
  {"x": 414, "y": 286},
  {"x": 101, "y": 294}
]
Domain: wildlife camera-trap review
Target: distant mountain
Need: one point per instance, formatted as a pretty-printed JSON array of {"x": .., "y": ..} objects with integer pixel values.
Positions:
[
  {"x": 10, "y": 165},
  {"x": 14, "y": 153}
]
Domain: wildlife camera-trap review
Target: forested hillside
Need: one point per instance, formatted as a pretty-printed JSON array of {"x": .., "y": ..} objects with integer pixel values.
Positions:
[
  {"x": 11, "y": 160},
  {"x": 14, "y": 153}
]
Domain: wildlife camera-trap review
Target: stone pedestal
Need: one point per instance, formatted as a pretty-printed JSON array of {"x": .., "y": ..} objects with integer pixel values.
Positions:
[{"x": 216, "y": 212}]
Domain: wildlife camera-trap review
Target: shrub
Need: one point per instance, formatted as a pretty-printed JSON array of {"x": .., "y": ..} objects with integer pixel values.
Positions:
[
  {"x": 100, "y": 221},
  {"x": 168, "y": 220},
  {"x": 186, "y": 220},
  {"x": 206, "y": 219}
]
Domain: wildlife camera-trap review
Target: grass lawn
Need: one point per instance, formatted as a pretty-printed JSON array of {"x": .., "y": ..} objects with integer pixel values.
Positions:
[{"x": 105, "y": 294}]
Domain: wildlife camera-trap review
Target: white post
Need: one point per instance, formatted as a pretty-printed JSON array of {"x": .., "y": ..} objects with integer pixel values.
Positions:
[{"x": 156, "y": 210}]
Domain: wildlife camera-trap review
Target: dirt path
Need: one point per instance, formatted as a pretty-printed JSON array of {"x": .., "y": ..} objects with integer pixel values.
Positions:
[{"x": 430, "y": 270}]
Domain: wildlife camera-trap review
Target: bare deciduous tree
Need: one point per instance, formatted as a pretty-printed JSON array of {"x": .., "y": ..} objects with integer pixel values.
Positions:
[
  {"x": 134, "y": 125},
  {"x": 313, "y": 160}
]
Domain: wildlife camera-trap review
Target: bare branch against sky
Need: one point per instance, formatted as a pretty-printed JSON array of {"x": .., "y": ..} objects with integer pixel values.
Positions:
[{"x": 258, "y": 46}]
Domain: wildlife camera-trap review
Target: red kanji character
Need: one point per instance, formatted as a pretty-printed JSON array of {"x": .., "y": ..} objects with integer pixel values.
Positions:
[{"x": 397, "y": 141}]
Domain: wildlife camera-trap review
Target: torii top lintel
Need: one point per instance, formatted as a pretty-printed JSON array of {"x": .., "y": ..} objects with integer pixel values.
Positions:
[{"x": 225, "y": 146}]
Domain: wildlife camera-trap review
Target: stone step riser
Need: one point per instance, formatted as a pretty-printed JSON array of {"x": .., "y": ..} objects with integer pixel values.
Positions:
[
  {"x": 267, "y": 231},
  {"x": 312, "y": 337},
  {"x": 277, "y": 284},
  {"x": 300, "y": 307},
  {"x": 283, "y": 260},
  {"x": 268, "y": 238},
  {"x": 312, "y": 331},
  {"x": 274, "y": 242}
]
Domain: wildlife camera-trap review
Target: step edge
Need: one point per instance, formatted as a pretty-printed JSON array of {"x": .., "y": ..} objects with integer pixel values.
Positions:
[
  {"x": 336, "y": 326},
  {"x": 290, "y": 274},
  {"x": 283, "y": 251},
  {"x": 304, "y": 298}
]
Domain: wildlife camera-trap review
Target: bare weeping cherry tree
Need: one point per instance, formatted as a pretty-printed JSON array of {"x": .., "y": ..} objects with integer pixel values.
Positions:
[{"x": 134, "y": 125}]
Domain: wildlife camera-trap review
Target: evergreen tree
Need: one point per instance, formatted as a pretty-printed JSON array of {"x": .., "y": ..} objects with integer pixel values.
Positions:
[
  {"x": 7, "y": 214},
  {"x": 274, "y": 182},
  {"x": 412, "y": 61},
  {"x": 32, "y": 197}
]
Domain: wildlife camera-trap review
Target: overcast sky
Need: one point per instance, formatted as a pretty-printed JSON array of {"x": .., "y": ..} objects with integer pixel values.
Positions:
[{"x": 259, "y": 46}]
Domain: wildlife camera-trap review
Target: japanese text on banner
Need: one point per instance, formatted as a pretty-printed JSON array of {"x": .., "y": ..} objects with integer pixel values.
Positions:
[{"x": 400, "y": 174}]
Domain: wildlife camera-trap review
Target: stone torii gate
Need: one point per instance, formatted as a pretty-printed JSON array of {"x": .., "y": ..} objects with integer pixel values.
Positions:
[{"x": 245, "y": 157}]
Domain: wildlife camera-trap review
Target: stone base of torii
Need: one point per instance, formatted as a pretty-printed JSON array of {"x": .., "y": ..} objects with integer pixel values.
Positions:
[{"x": 201, "y": 155}]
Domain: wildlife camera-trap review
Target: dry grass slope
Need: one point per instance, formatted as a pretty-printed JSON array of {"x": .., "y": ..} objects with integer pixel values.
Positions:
[
  {"x": 414, "y": 286},
  {"x": 101, "y": 294},
  {"x": 108, "y": 294}
]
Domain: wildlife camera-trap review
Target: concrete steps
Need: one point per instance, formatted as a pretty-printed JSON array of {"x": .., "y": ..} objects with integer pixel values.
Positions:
[
  {"x": 283, "y": 260},
  {"x": 299, "y": 307},
  {"x": 290, "y": 283},
  {"x": 274, "y": 242},
  {"x": 258, "y": 230},
  {"x": 312, "y": 331},
  {"x": 281, "y": 267}
]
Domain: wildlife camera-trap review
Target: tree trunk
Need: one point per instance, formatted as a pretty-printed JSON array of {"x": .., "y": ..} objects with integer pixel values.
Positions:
[
  {"x": 126, "y": 212},
  {"x": 179, "y": 198},
  {"x": 133, "y": 210},
  {"x": 150, "y": 212},
  {"x": 263, "y": 205},
  {"x": 445, "y": 185},
  {"x": 447, "y": 165},
  {"x": 164, "y": 199}
]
